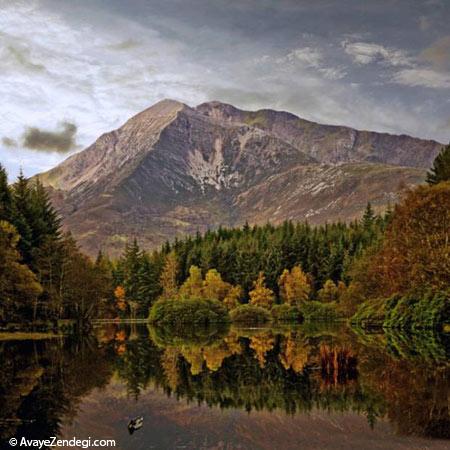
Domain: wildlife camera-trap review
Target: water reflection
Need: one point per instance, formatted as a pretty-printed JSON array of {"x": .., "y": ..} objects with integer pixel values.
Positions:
[{"x": 294, "y": 370}]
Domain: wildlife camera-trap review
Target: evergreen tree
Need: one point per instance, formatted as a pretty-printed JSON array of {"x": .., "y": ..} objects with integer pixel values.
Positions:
[
  {"x": 6, "y": 202},
  {"x": 441, "y": 167}
]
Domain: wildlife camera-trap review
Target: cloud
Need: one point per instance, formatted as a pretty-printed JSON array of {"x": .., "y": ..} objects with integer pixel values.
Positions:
[
  {"x": 422, "y": 77},
  {"x": 62, "y": 141},
  {"x": 367, "y": 53},
  {"x": 312, "y": 58},
  {"x": 8, "y": 142},
  {"x": 309, "y": 56}
]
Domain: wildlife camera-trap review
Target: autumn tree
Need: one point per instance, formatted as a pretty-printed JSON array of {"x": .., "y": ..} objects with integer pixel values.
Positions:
[
  {"x": 233, "y": 297},
  {"x": 294, "y": 286},
  {"x": 193, "y": 286},
  {"x": 329, "y": 292},
  {"x": 440, "y": 171},
  {"x": 416, "y": 248},
  {"x": 261, "y": 295},
  {"x": 168, "y": 278},
  {"x": 19, "y": 288},
  {"x": 119, "y": 295}
]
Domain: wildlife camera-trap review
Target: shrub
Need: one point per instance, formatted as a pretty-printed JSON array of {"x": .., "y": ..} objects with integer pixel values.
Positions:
[
  {"x": 250, "y": 314},
  {"x": 313, "y": 310},
  {"x": 192, "y": 311},
  {"x": 286, "y": 313}
]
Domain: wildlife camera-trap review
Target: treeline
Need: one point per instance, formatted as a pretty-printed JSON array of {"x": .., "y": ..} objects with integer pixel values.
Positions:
[
  {"x": 43, "y": 275},
  {"x": 283, "y": 259}
]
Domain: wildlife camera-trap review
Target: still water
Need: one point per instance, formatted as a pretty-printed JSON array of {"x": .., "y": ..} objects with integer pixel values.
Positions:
[{"x": 305, "y": 387}]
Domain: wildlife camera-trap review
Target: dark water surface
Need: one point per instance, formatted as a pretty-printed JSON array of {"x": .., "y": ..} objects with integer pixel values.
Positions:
[{"x": 305, "y": 387}]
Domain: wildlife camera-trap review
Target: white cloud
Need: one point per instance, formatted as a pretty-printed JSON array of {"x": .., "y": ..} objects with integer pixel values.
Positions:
[
  {"x": 366, "y": 53},
  {"x": 422, "y": 77},
  {"x": 310, "y": 57}
]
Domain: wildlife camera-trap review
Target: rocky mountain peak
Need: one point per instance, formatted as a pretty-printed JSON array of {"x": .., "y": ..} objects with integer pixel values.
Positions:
[{"x": 173, "y": 170}]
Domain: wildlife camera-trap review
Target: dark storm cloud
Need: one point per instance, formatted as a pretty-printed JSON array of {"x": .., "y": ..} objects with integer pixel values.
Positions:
[{"x": 51, "y": 141}]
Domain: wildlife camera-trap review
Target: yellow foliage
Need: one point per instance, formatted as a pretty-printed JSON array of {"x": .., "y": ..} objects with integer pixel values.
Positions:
[
  {"x": 169, "y": 363},
  {"x": 193, "y": 286},
  {"x": 214, "y": 287},
  {"x": 294, "y": 354},
  {"x": 232, "y": 298},
  {"x": 261, "y": 344},
  {"x": 168, "y": 277},
  {"x": 261, "y": 295},
  {"x": 294, "y": 286},
  {"x": 329, "y": 293}
]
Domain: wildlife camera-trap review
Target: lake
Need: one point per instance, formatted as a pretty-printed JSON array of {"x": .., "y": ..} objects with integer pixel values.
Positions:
[{"x": 312, "y": 386}]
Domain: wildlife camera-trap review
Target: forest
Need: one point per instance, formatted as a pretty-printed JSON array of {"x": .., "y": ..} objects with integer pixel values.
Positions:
[{"x": 384, "y": 269}]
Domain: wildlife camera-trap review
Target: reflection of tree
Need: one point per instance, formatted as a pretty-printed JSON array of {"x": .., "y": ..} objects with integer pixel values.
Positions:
[
  {"x": 293, "y": 370},
  {"x": 261, "y": 344},
  {"x": 294, "y": 353},
  {"x": 412, "y": 376},
  {"x": 169, "y": 362},
  {"x": 41, "y": 382}
]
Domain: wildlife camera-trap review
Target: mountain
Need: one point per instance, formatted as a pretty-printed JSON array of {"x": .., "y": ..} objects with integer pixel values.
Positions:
[{"x": 172, "y": 170}]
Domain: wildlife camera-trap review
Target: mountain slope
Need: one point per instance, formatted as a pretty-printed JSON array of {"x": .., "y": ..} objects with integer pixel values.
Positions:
[{"x": 173, "y": 170}]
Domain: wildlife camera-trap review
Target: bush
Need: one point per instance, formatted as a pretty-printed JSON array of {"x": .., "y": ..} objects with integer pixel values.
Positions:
[
  {"x": 286, "y": 313},
  {"x": 250, "y": 314},
  {"x": 313, "y": 310},
  {"x": 188, "y": 311}
]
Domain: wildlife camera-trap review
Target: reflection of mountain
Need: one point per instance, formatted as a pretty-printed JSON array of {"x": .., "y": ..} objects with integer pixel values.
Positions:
[{"x": 173, "y": 170}]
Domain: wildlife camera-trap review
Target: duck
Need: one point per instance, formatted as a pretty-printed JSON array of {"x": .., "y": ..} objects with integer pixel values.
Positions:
[{"x": 135, "y": 424}]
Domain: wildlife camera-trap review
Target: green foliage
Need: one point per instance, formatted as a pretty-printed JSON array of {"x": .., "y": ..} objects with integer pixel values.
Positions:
[
  {"x": 370, "y": 313},
  {"x": 62, "y": 282},
  {"x": 286, "y": 313},
  {"x": 408, "y": 312},
  {"x": 314, "y": 310},
  {"x": 250, "y": 315},
  {"x": 416, "y": 312},
  {"x": 441, "y": 167},
  {"x": 193, "y": 311}
]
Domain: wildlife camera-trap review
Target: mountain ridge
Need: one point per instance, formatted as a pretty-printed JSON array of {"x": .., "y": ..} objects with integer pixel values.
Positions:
[{"x": 172, "y": 170}]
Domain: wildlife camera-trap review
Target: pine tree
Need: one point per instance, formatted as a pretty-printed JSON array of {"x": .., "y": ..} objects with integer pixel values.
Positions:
[
  {"x": 441, "y": 167},
  {"x": 261, "y": 295},
  {"x": 6, "y": 202},
  {"x": 23, "y": 216},
  {"x": 368, "y": 217}
]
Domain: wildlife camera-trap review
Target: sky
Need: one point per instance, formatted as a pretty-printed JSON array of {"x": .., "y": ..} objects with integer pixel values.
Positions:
[{"x": 74, "y": 69}]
